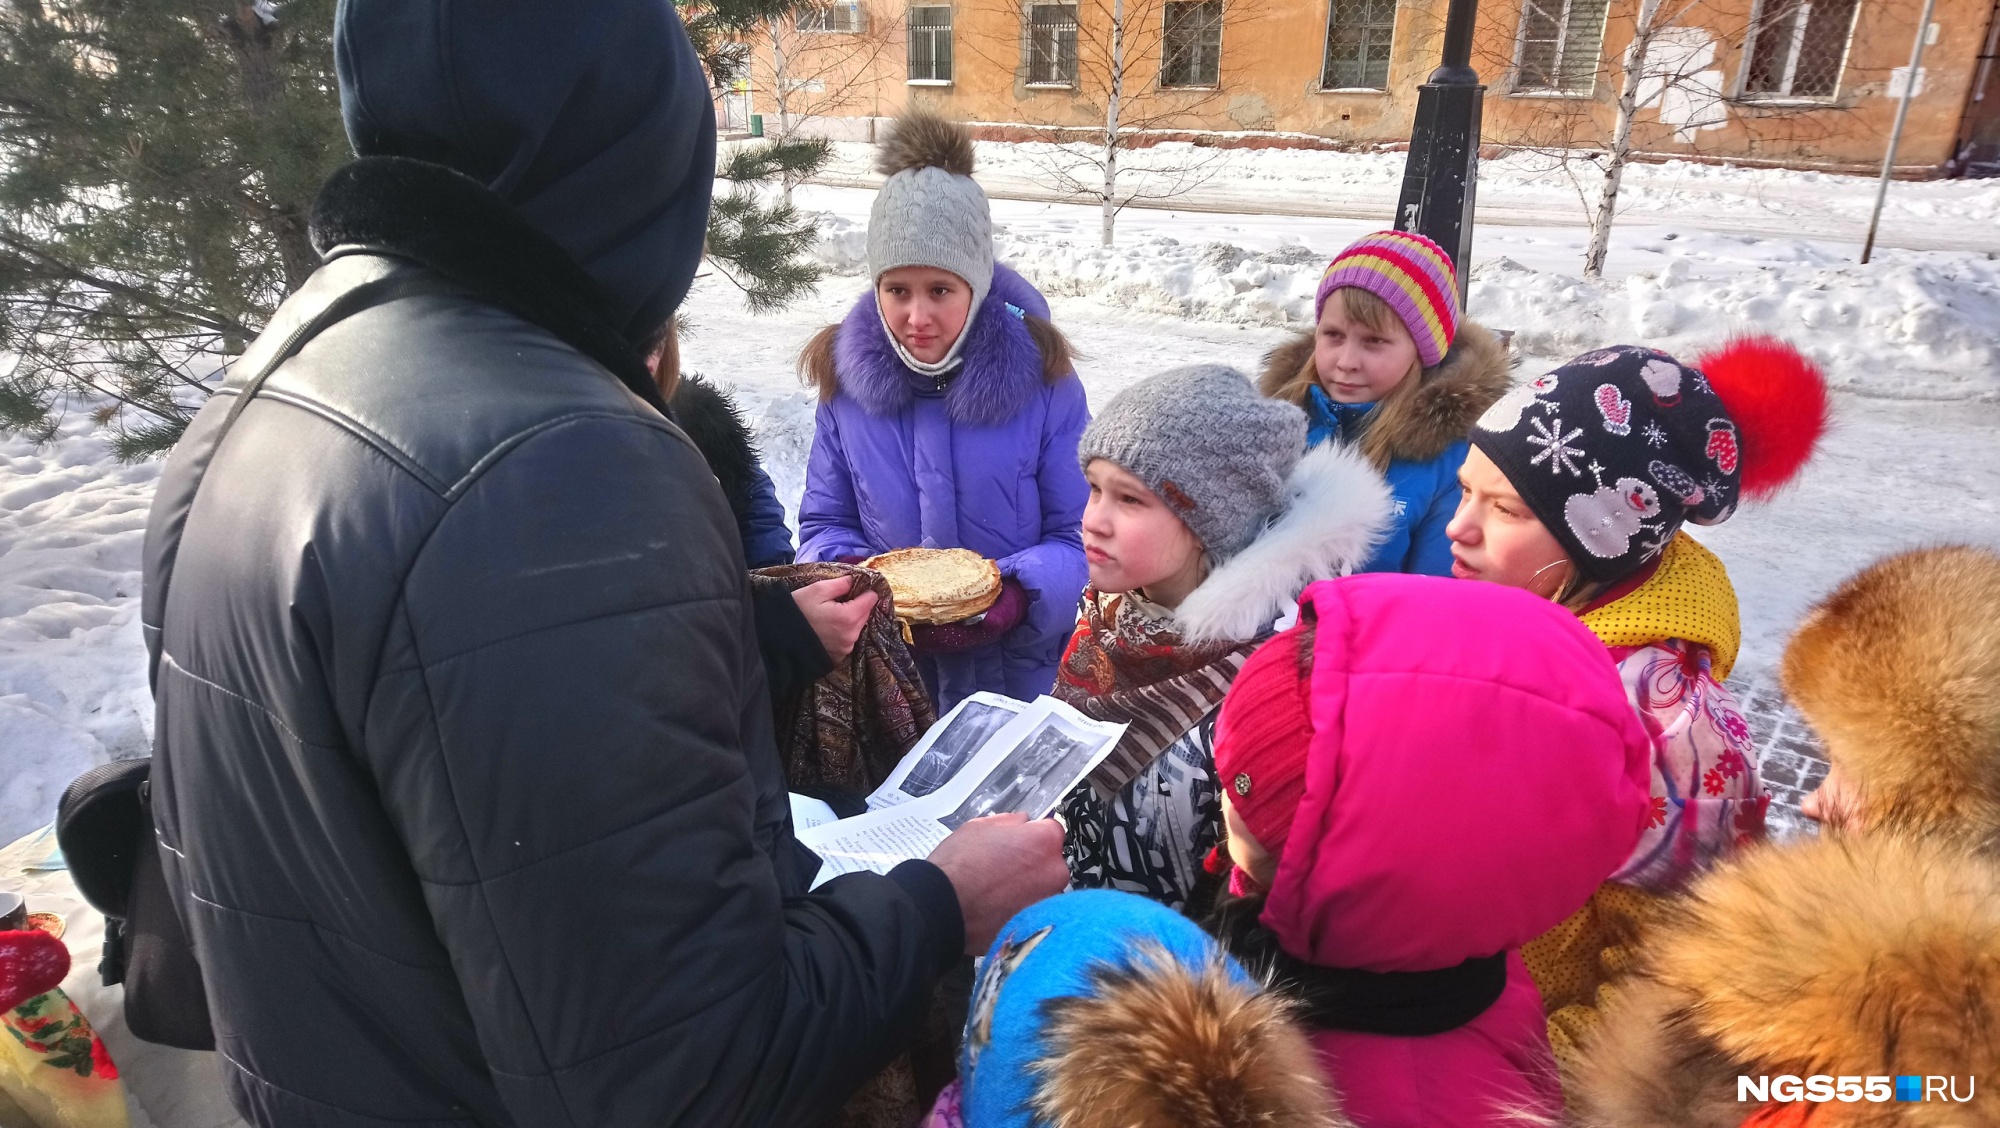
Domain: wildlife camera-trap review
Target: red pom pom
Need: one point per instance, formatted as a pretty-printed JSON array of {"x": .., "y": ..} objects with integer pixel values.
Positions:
[
  {"x": 1777, "y": 399},
  {"x": 31, "y": 963}
]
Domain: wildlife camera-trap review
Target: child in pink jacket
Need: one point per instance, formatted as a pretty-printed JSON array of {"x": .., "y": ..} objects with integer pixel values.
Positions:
[{"x": 1418, "y": 778}]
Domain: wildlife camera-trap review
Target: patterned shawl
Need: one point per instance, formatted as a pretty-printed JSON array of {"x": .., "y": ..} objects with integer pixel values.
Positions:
[
  {"x": 1127, "y": 664},
  {"x": 850, "y": 728}
]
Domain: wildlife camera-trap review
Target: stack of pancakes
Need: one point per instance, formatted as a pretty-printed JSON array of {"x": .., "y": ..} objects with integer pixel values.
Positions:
[{"x": 938, "y": 585}]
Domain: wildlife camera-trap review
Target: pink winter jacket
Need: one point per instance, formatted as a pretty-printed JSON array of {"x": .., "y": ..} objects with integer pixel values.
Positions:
[{"x": 1476, "y": 771}]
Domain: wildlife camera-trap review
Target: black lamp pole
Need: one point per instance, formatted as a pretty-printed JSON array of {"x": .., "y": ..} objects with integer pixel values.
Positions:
[{"x": 1443, "y": 170}]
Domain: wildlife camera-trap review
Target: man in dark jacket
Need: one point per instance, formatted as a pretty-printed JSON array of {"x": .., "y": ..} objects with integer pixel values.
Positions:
[{"x": 464, "y": 780}]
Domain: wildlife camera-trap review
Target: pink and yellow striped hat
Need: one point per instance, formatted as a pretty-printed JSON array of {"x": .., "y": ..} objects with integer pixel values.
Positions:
[{"x": 1409, "y": 272}]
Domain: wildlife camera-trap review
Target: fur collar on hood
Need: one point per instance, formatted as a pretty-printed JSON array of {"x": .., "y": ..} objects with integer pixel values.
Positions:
[
  {"x": 1336, "y": 508},
  {"x": 1870, "y": 955},
  {"x": 1453, "y": 395},
  {"x": 1161, "y": 1043},
  {"x": 711, "y": 420},
  {"x": 456, "y": 226},
  {"x": 1899, "y": 672},
  {"x": 1000, "y": 376}
]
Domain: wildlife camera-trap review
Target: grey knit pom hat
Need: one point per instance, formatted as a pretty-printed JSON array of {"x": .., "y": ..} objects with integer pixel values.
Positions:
[
  {"x": 930, "y": 212},
  {"x": 1202, "y": 439}
]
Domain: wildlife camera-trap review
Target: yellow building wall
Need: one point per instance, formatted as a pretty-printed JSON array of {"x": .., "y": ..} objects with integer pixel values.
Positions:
[{"x": 1270, "y": 65}]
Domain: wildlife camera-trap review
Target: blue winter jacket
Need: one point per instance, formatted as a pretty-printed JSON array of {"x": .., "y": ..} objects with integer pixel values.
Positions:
[{"x": 1427, "y": 444}]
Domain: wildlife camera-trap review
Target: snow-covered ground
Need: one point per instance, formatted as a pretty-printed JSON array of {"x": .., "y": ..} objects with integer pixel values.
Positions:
[
  {"x": 1913, "y": 339},
  {"x": 72, "y": 667},
  {"x": 1523, "y": 187}
]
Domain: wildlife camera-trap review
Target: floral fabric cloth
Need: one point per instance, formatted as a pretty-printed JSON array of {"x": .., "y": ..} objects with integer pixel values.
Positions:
[{"x": 55, "y": 1067}]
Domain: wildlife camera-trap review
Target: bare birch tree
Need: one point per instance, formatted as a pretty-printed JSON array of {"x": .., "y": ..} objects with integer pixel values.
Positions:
[
  {"x": 1143, "y": 68},
  {"x": 1786, "y": 93},
  {"x": 826, "y": 60}
]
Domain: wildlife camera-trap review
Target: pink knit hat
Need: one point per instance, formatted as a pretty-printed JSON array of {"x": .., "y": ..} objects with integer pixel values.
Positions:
[{"x": 1409, "y": 272}]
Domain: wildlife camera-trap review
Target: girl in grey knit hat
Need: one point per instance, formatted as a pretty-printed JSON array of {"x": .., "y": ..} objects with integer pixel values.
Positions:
[
  {"x": 1207, "y": 517},
  {"x": 949, "y": 411}
]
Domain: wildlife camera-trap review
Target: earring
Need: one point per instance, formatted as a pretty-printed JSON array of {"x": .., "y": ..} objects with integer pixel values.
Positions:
[{"x": 1530, "y": 585}]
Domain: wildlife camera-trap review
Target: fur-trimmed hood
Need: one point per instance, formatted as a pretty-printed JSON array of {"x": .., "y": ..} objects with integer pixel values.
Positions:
[
  {"x": 1875, "y": 955},
  {"x": 1101, "y": 1009},
  {"x": 1002, "y": 369},
  {"x": 456, "y": 226},
  {"x": 1336, "y": 508},
  {"x": 1454, "y": 392},
  {"x": 1899, "y": 672},
  {"x": 712, "y": 422},
  {"x": 1161, "y": 1043},
  {"x": 591, "y": 122}
]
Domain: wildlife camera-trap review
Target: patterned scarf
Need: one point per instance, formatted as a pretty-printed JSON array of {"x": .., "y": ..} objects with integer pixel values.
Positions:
[
  {"x": 850, "y": 728},
  {"x": 1124, "y": 664}
]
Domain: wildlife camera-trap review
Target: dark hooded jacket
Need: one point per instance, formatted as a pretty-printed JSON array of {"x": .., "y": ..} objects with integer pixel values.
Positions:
[
  {"x": 707, "y": 415},
  {"x": 464, "y": 777}
]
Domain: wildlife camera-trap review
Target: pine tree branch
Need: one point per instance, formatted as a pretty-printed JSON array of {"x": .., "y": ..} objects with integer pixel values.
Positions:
[{"x": 71, "y": 272}]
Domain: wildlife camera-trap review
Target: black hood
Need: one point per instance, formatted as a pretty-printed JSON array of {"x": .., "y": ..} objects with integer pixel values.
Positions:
[{"x": 592, "y": 120}]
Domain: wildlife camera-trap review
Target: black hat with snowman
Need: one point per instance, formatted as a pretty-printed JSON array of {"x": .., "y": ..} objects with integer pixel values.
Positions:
[{"x": 1614, "y": 450}]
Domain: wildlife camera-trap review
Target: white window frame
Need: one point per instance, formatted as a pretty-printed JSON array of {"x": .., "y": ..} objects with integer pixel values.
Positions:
[
  {"x": 819, "y": 20},
  {"x": 1743, "y": 93},
  {"x": 1221, "y": 22},
  {"x": 1028, "y": 45},
  {"x": 911, "y": 31},
  {"x": 1326, "y": 44},
  {"x": 1515, "y": 88}
]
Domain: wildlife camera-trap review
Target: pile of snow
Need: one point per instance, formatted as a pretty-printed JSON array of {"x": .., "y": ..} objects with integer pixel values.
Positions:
[
  {"x": 1213, "y": 281},
  {"x": 1910, "y": 325},
  {"x": 1920, "y": 328},
  {"x": 1552, "y": 187},
  {"x": 73, "y": 688}
]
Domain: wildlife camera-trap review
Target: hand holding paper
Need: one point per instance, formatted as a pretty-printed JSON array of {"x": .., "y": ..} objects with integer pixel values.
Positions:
[{"x": 1000, "y": 865}]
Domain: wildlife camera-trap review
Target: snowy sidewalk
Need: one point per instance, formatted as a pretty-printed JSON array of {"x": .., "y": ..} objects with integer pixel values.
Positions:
[{"x": 1519, "y": 189}]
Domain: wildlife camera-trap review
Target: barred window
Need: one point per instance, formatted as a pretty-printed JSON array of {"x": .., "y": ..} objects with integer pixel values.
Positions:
[
  {"x": 833, "y": 19},
  {"x": 930, "y": 44},
  {"x": 1560, "y": 41},
  {"x": 1052, "y": 44},
  {"x": 1358, "y": 36},
  {"x": 1192, "y": 52},
  {"x": 1797, "y": 48}
]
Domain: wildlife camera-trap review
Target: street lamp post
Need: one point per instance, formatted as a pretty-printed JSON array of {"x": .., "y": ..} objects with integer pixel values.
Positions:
[{"x": 1442, "y": 174}]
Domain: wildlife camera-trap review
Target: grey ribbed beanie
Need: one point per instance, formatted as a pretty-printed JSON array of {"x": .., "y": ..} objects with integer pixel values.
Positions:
[
  {"x": 930, "y": 212},
  {"x": 1213, "y": 449}
]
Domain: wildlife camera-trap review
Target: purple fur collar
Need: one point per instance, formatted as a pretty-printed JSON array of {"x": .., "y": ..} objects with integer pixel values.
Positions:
[{"x": 1001, "y": 373}]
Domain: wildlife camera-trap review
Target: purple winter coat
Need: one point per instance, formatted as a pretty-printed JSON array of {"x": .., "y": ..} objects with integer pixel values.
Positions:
[{"x": 987, "y": 464}]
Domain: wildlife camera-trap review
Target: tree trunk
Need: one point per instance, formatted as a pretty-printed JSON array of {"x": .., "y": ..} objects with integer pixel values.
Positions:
[
  {"x": 257, "y": 42},
  {"x": 778, "y": 88},
  {"x": 1621, "y": 142},
  {"x": 1111, "y": 104}
]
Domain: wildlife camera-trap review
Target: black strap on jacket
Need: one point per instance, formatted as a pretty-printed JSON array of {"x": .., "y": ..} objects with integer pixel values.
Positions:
[
  {"x": 146, "y": 946},
  {"x": 379, "y": 291},
  {"x": 1407, "y": 1003}
]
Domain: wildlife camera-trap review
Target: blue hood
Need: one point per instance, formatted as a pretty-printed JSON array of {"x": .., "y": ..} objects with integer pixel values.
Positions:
[{"x": 592, "y": 120}]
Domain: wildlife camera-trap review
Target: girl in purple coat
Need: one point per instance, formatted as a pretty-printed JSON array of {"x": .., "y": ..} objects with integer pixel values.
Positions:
[{"x": 949, "y": 417}]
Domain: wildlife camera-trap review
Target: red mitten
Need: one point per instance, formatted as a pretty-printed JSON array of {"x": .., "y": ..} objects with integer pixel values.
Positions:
[{"x": 31, "y": 963}]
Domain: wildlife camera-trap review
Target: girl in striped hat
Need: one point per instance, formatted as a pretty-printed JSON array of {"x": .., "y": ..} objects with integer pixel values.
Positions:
[{"x": 1392, "y": 369}]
